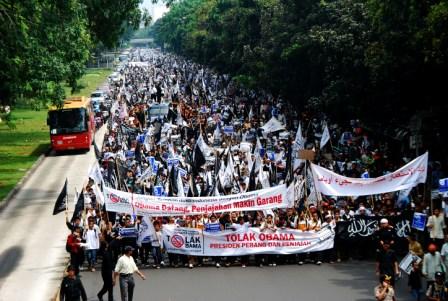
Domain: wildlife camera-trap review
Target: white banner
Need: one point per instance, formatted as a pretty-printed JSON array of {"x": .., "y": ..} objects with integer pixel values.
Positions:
[
  {"x": 125, "y": 202},
  {"x": 330, "y": 183},
  {"x": 247, "y": 241}
]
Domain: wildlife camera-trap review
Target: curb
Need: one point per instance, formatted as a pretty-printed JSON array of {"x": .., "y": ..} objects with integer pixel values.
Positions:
[{"x": 23, "y": 180}]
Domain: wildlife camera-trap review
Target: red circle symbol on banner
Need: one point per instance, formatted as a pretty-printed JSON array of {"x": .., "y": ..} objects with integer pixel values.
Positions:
[
  {"x": 177, "y": 241},
  {"x": 114, "y": 198}
]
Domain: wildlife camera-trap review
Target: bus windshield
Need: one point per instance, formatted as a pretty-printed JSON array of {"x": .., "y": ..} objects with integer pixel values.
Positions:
[{"x": 67, "y": 121}]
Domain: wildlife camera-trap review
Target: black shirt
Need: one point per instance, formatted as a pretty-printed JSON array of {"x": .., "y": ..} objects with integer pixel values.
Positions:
[
  {"x": 387, "y": 261},
  {"x": 414, "y": 280},
  {"x": 72, "y": 289}
]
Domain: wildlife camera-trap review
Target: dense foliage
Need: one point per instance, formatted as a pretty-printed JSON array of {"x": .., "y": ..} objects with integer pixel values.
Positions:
[
  {"x": 364, "y": 58},
  {"x": 47, "y": 42}
]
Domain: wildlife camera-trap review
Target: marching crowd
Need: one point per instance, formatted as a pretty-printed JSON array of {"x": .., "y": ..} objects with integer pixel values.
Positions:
[{"x": 178, "y": 129}]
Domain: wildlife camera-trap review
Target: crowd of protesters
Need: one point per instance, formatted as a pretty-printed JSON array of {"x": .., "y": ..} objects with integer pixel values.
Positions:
[{"x": 164, "y": 106}]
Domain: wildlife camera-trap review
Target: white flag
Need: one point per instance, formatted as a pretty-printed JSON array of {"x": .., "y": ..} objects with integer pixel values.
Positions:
[
  {"x": 180, "y": 186},
  {"x": 325, "y": 137},
  {"x": 146, "y": 230},
  {"x": 299, "y": 142},
  {"x": 205, "y": 149},
  {"x": 99, "y": 195}
]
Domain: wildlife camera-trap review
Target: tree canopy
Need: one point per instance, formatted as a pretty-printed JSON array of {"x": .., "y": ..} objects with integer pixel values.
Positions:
[
  {"x": 48, "y": 42},
  {"x": 364, "y": 58}
]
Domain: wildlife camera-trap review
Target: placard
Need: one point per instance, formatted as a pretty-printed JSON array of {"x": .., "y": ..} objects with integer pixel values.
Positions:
[{"x": 419, "y": 221}]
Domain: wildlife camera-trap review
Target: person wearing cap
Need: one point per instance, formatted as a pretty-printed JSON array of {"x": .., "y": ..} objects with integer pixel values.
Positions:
[
  {"x": 386, "y": 233},
  {"x": 71, "y": 287},
  {"x": 385, "y": 291},
  {"x": 125, "y": 268},
  {"x": 437, "y": 291},
  {"x": 432, "y": 263}
]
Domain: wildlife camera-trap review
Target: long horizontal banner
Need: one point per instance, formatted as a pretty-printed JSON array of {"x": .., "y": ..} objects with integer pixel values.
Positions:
[
  {"x": 246, "y": 241},
  {"x": 125, "y": 202},
  {"x": 330, "y": 183}
]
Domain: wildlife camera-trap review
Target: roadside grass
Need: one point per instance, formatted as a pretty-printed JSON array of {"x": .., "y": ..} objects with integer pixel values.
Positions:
[
  {"x": 91, "y": 81},
  {"x": 20, "y": 147}
]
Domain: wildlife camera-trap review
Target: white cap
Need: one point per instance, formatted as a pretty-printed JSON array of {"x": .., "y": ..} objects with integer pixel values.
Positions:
[
  {"x": 362, "y": 208},
  {"x": 384, "y": 221}
]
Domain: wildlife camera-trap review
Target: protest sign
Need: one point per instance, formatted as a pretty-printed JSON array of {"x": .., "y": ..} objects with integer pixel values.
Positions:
[
  {"x": 419, "y": 221},
  {"x": 228, "y": 129},
  {"x": 406, "y": 263},
  {"x": 245, "y": 241},
  {"x": 120, "y": 201}
]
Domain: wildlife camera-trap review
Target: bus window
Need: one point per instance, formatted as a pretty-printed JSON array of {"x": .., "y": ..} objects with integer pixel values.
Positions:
[{"x": 68, "y": 121}]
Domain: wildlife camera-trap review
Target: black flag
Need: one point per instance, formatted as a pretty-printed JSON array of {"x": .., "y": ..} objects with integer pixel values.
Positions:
[
  {"x": 198, "y": 159},
  {"x": 252, "y": 179},
  {"x": 61, "y": 202},
  {"x": 289, "y": 166},
  {"x": 97, "y": 151},
  {"x": 172, "y": 180},
  {"x": 138, "y": 152},
  {"x": 79, "y": 207}
]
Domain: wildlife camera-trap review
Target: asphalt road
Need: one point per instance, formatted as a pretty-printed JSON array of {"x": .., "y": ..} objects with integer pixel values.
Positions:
[
  {"x": 353, "y": 280},
  {"x": 32, "y": 242}
]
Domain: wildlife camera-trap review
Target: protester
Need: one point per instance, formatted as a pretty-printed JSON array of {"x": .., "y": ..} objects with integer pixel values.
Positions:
[
  {"x": 444, "y": 251},
  {"x": 386, "y": 262},
  {"x": 156, "y": 244},
  {"x": 71, "y": 287},
  {"x": 414, "y": 246},
  {"x": 437, "y": 290},
  {"x": 385, "y": 291},
  {"x": 74, "y": 247},
  {"x": 125, "y": 268},
  {"x": 415, "y": 282},
  {"x": 92, "y": 243},
  {"x": 107, "y": 268},
  {"x": 217, "y": 138},
  {"x": 432, "y": 263},
  {"x": 436, "y": 227}
]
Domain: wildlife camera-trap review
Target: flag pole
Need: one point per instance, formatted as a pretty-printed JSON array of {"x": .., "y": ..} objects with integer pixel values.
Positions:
[{"x": 66, "y": 200}]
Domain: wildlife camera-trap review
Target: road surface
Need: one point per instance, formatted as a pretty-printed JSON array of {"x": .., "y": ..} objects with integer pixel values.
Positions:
[
  {"x": 32, "y": 243},
  {"x": 352, "y": 281}
]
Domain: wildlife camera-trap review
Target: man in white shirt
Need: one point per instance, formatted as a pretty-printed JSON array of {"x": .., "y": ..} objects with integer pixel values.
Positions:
[
  {"x": 92, "y": 242},
  {"x": 125, "y": 268},
  {"x": 436, "y": 227}
]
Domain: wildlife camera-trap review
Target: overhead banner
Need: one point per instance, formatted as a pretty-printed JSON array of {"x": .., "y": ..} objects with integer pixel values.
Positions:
[
  {"x": 125, "y": 202},
  {"x": 330, "y": 183},
  {"x": 246, "y": 241}
]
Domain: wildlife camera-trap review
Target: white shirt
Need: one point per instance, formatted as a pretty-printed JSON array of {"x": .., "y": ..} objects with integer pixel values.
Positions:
[
  {"x": 438, "y": 224},
  {"x": 92, "y": 237},
  {"x": 444, "y": 253},
  {"x": 241, "y": 227},
  {"x": 126, "y": 265}
]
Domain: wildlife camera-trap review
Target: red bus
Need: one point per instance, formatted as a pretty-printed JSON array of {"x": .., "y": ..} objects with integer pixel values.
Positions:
[{"x": 73, "y": 125}]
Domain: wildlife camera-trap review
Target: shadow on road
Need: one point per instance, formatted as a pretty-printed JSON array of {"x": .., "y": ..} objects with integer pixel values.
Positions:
[
  {"x": 53, "y": 153},
  {"x": 9, "y": 260}
]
